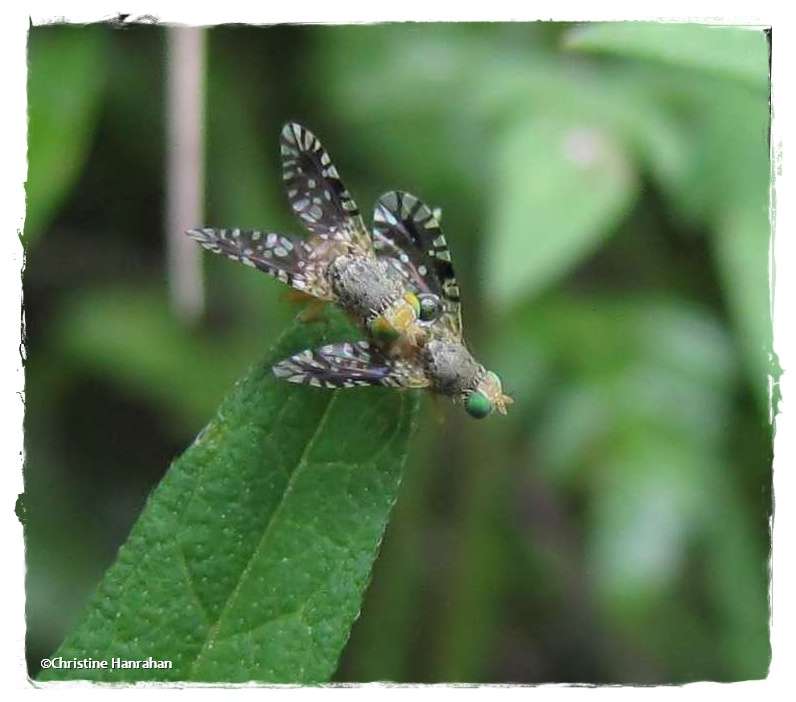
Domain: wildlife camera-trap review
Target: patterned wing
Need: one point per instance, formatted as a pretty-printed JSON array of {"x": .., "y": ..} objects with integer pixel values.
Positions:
[
  {"x": 408, "y": 232},
  {"x": 316, "y": 193},
  {"x": 349, "y": 364},
  {"x": 296, "y": 262}
]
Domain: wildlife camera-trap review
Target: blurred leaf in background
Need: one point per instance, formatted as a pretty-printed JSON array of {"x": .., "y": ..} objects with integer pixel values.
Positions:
[
  {"x": 605, "y": 192},
  {"x": 533, "y": 237},
  {"x": 66, "y": 78},
  {"x": 732, "y": 52}
]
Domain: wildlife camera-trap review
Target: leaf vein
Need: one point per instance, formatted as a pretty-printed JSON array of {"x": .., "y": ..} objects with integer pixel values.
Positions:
[{"x": 302, "y": 462}]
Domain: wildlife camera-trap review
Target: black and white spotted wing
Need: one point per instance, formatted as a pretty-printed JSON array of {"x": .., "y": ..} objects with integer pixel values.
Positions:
[
  {"x": 315, "y": 190},
  {"x": 349, "y": 364},
  {"x": 297, "y": 262},
  {"x": 406, "y": 230}
]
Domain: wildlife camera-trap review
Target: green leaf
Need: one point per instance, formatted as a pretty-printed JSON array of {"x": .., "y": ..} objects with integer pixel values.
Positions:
[
  {"x": 560, "y": 188},
  {"x": 741, "y": 245},
  {"x": 730, "y": 151},
  {"x": 66, "y": 76},
  {"x": 731, "y": 51},
  {"x": 250, "y": 559},
  {"x": 731, "y": 181}
]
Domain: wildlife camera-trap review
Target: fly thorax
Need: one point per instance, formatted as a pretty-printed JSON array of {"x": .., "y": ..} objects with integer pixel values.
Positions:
[
  {"x": 365, "y": 286},
  {"x": 451, "y": 367},
  {"x": 399, "y": 321}
]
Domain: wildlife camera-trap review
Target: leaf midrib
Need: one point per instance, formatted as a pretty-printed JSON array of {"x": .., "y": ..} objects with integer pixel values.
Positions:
[{"x": 300, "y": 465}]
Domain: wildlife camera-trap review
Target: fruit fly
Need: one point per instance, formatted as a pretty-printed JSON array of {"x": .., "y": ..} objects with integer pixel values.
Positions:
[
  {"x": 371, "y": 277},
  {"x": 398, "y": 282},
  {"x": 442, "y": 362}
]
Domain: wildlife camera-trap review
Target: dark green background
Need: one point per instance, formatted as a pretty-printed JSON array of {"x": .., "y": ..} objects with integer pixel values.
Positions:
[{"x": 605, "y": 196}]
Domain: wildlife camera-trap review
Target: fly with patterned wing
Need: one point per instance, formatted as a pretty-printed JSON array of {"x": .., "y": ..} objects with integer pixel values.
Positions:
[
  {"x": 349, "y": 364},
  {"x": 337, "y": 262},
  {"x": 407, "y": 236},
  {"x": 446, "y": 367},
  {"x": 399, "y": 284}
]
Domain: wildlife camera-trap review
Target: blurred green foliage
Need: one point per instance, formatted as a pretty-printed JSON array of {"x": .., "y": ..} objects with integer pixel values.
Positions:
[
  {"x": 67, "y": 70},
  {"x": 734, "y": 52},
  {"x": 605, "y": 193}
]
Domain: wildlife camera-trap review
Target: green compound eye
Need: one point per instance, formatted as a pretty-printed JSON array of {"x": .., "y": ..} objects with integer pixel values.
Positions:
[
  {"x": 430, "y": 307},
  {"x": 478, "y": 405},
  {"x": 382, "y": 330}
]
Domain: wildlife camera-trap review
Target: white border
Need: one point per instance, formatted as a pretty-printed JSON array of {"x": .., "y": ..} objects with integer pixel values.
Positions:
[{"x": 14, "y": 31}]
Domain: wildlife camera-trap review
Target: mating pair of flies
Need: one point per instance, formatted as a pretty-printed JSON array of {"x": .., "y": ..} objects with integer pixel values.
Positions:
[{"x": 397, "y": 282}]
